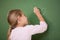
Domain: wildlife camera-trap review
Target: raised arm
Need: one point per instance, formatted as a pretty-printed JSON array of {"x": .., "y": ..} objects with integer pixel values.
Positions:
[
  {"x": 42, "y": 27},
  {"x": 38, "y": 14}
]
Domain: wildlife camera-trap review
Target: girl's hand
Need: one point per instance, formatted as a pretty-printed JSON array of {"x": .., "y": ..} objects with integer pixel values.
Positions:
[{"x": 36, "y": 11}]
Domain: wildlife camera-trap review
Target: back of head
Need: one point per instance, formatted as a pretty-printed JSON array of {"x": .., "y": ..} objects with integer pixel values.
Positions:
[{"x": 12, "y": 16}]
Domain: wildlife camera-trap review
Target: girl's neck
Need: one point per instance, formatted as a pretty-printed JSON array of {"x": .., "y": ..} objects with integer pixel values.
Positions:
[{"x": 21, "y": 25}]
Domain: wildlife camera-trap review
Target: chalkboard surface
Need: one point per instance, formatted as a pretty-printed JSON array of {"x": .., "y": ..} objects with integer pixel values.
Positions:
[{"x": 50, "y": 9}]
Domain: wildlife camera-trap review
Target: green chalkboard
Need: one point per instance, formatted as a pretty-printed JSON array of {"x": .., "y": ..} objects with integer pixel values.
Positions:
[{"x": 50, "y": 9}]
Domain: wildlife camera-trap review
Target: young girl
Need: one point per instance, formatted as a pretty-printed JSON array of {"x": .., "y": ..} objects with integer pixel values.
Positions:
[{"x": 19, "y": 28}]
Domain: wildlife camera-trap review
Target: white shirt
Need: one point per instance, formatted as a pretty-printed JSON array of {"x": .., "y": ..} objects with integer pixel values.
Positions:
[{"x": 25, "y": 33}]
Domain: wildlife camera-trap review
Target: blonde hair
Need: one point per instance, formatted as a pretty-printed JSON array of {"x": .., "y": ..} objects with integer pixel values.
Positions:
[{"x": 12, "y": 19}]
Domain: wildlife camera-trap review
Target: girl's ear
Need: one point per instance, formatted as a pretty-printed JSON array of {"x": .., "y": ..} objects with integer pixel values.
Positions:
[{"x": 18, "y": 19}]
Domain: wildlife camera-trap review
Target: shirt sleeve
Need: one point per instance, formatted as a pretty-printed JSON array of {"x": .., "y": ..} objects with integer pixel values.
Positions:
[{"x": 42, "y": 27}]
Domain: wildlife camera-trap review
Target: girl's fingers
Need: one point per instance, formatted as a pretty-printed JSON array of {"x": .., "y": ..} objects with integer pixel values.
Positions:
[{"x": 36, "y": 10}]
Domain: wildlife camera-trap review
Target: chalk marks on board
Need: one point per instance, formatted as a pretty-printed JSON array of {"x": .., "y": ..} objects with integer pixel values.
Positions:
[{"x": 44, "y": 10}]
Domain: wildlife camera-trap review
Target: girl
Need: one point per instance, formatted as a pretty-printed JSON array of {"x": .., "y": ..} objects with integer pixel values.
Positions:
[{"x": 19, "y": 28}]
